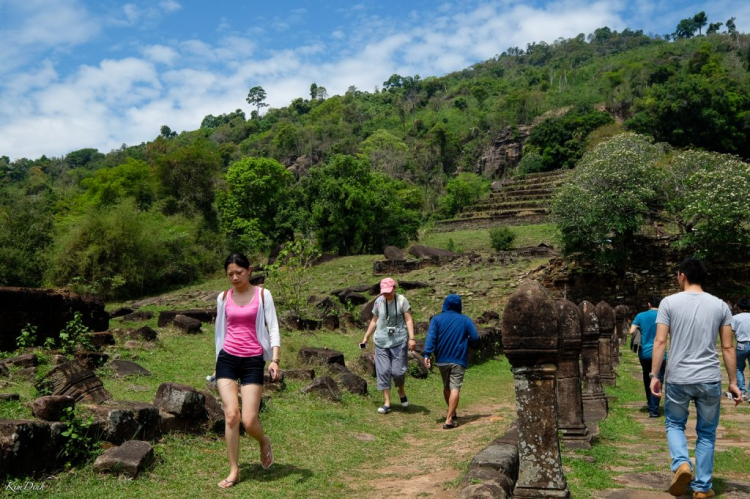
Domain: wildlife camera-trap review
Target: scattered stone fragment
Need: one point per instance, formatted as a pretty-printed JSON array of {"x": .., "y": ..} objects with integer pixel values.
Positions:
[
  {"x": 322, "y": 356},
  {"x": 129, "y": 459},
  {"x": 71, "y": 378},
  {"x": 120, "y": 312},
  {"x": 324, "y": 387},
  {"x": 187, "y": 324},
  {"x": 300, "y": 374},
  {"x": 353, "y": 383},
  {"x": 52, "y": 407},
  {"x": 181, "y": 400},
  {"x": 25, "y": 360},
  {"x": 122, "y": 368},
  {"x": 139, "y": 316}
]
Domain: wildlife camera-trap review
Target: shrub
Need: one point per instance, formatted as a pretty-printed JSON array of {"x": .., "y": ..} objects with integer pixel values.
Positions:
[
  {"x": 462, "y": 191},
  {"x": 120, "y": 251},
  {"x": 502, "y": 238}
]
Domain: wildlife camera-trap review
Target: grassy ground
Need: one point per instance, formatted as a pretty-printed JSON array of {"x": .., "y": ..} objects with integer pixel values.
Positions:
[
  {"x": 322, "y": 449},
  {"x": 319, "y": 446}
]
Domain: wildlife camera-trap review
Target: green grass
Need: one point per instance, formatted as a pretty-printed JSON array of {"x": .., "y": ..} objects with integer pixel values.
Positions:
[{"x": 478, "y": 240}]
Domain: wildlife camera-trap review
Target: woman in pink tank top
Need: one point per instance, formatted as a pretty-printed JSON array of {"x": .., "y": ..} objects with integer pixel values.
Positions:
[{"x": 243, "y": 342}]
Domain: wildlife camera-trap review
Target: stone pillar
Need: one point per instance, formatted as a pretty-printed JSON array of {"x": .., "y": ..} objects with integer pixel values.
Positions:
[
  {"x": 531, "y": 339},
  {"x": 594, "y": 400},
  {"x": 570, "y": 421},
  {"x": 606, "y": 317},
  {"x": 621, "y": 315}
]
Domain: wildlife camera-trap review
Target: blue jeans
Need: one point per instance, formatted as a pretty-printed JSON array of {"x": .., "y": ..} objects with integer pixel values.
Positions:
[
  {"x": 743, "y": 355},
  {"x": 651, "y": 400},
  {"x": 707, "y": 398}
]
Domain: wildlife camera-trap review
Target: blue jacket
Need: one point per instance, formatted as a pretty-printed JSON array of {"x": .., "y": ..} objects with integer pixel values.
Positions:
[{"x": 449, "y": 334}]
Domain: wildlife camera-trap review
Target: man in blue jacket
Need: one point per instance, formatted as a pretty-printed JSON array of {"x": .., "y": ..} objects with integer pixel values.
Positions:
[{"x": 448, "y": 337}]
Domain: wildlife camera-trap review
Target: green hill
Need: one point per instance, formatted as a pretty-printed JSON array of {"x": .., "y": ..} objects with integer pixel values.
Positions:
[{"x": 355, "y": 172}]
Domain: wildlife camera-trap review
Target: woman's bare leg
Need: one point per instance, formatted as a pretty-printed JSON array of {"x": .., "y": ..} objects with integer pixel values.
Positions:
[
  {"x": 251, "y": 396},
  {"x": 228, "y": 390}
]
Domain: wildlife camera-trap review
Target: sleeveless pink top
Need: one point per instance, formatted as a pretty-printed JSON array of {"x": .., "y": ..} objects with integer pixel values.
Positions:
[{"x": 242, "y": 338}]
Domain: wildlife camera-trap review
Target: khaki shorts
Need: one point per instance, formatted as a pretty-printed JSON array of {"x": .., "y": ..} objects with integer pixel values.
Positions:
[{"x": 453, "y": 376}]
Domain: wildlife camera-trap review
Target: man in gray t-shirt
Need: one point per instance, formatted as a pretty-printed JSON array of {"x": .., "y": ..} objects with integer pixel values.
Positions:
[{"x": 693, "y": 319}]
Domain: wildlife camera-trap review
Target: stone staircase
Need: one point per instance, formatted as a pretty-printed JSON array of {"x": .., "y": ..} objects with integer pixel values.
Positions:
[{"x": 523, "y": 201}]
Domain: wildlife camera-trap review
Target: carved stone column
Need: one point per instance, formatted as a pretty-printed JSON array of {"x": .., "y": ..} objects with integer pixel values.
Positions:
[
  {"x": 531, "y": 339},
  {"x": 606, "y": 328},
  {"x": 594, "y": 400},
  {"x": 570, "y": 421}
]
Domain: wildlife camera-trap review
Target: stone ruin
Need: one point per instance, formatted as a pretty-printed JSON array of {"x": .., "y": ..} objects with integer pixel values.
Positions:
[
  {"x": 22, "y": 306},
  {"x": 543, "y": 340}
]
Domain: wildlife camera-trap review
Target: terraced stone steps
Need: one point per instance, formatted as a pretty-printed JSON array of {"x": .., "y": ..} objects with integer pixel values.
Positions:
[{"x": 517, "y": 202}]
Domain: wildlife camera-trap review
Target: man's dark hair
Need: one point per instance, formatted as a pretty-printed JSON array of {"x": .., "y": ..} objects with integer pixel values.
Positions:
[
  {"x": 694, "y": 270},
  {"x": 654, "y": 300},
  {"x": 743, "y": 304}
]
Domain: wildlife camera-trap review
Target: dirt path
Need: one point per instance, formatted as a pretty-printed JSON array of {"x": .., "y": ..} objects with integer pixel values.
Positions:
[{"x": 436, "y": 460}]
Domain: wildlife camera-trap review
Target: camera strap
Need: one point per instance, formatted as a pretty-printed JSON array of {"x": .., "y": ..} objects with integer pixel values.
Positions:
[{"x": 385, "y": 302}]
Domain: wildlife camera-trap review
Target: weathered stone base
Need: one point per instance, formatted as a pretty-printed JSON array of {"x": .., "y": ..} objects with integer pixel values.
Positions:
[{"x": 595, "y": 409}]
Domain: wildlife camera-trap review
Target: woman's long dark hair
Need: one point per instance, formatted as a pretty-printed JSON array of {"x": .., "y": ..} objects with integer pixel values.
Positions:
[{"x": 238, "y": 259}]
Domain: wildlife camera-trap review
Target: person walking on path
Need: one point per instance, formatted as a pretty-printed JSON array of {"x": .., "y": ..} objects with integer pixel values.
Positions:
[
  {"x": 741, "y": 328},
  {"x": 448, "y": 337},
  {"x": 394, "y": 333},
  {"x": 646, "y": 323},
  {"x": 246, "y": 336},
  {"x": 692, "y": 319}
]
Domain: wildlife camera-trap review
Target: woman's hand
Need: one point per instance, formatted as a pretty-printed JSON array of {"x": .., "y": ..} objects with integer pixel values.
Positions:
[
  {"x": 273, "y": 371},
  {"x": 412, "y": 344}
]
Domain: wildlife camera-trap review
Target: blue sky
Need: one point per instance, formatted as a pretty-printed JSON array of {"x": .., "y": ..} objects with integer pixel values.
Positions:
[{"x": 76, "y": 73}]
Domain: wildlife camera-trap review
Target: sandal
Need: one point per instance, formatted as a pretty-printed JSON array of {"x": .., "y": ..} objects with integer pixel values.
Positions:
[
  {"x": 229, "y": 483},
  {"x": 268, "y": 458},
  {"x": 450, "y": 426}
]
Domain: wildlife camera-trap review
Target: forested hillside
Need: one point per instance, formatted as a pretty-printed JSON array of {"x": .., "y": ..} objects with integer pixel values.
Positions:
[{"x": 354, "y": 172}]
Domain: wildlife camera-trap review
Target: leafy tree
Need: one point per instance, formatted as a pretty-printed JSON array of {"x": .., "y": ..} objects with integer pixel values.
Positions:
[
  {"x": 187, "y": 175},
  {"x": 713, "y": 28},
  {"x": 166, "y": 133},
  {"x": 607, "y": 198},
  {"x": 731, "y": 27},
  {"x": 83, "y": 157},
  {"x": 133, "y": 179},
  {"x": 386, "y": 153},
  {"x": 700, "y": 20},
  {"x": 257, "y": 190},
  {"x": 313, "y": 91},
  {"x": 257, "y": 96},
  {"x": 121, "y": 251},
  {"x": 561, "y": 140},
  {"x": 708, "y": 195},
  {"x": 354, "y": 211},
  {"x": 685, "y": 29},
  {"x": 462, "y": 191},
  {"x": 26, "y": 232},
  {"x": 695, "y": 109}
]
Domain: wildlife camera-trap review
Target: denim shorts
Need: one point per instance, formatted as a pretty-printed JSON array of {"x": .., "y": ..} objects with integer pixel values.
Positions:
[{"x": 248, "y": 370}]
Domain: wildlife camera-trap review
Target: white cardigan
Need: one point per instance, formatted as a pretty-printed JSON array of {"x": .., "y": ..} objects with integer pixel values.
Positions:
[{"x": 267, "y": 339}]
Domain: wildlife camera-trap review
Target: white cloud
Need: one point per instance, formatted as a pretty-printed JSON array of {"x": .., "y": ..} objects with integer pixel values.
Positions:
[
  {"x": 178, "y": 82},
  {"x": 39, "y": 25},
  {"x": 170, "y": 5},
  {"x": 160, "y": 53}
]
